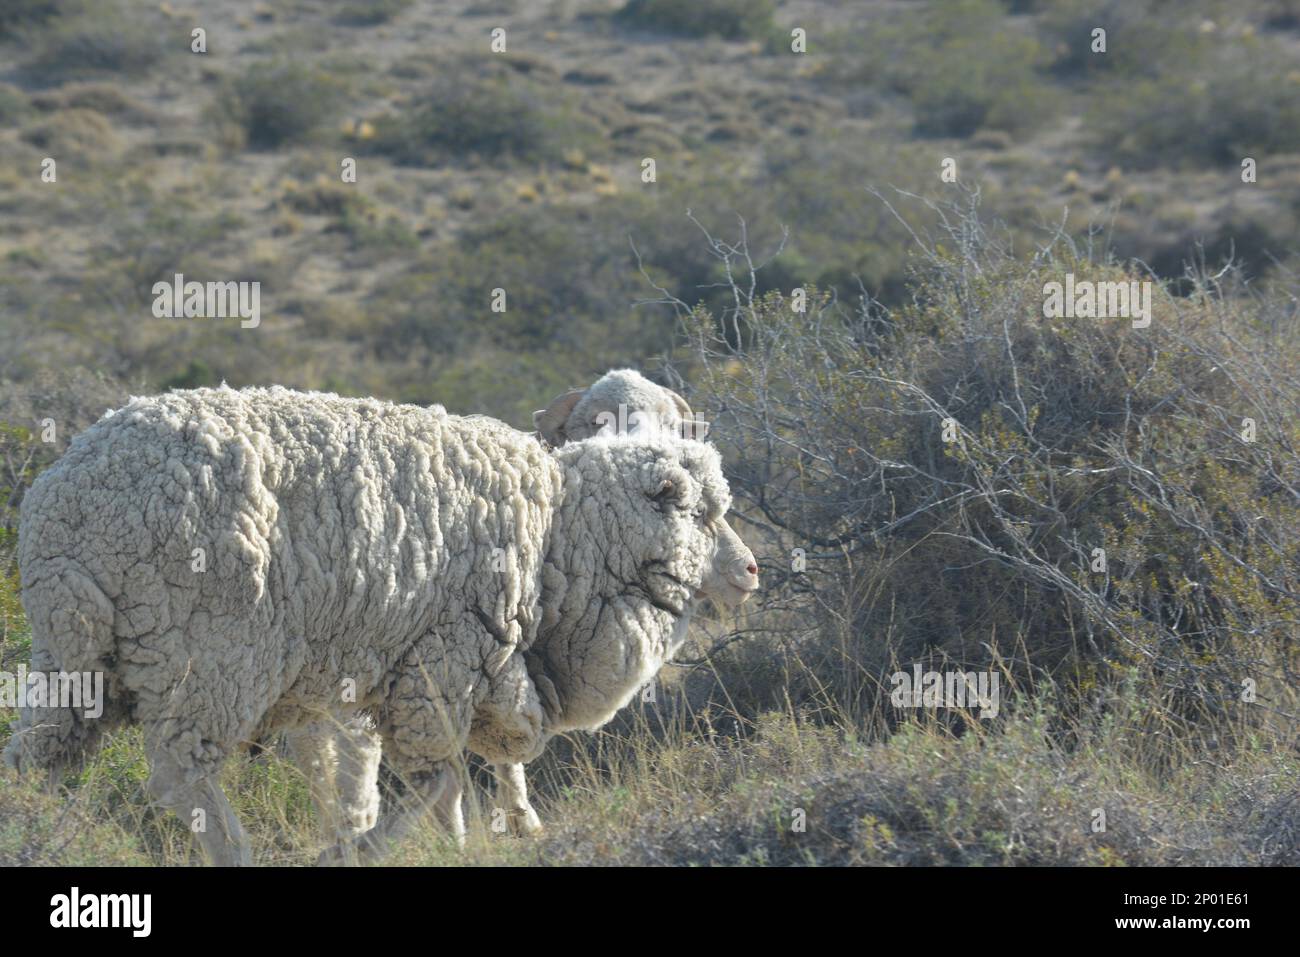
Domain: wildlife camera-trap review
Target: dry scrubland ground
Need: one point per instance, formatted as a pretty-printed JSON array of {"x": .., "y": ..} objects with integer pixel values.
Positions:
[{"x": 522, "y": 170}]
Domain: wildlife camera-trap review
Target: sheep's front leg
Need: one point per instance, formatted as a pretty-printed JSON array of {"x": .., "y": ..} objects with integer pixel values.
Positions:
[
  {"x": 509, "y": 724},
  {"x": 202, "y": 806},
  {"x": 509, "y": 729},
  {"x": 512, "y": 794}
]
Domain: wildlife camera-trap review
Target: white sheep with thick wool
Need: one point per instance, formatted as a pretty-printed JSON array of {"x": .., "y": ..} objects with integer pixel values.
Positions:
[
  {"x": 241, "y": 562},
  {"x": 621, "y": 402},
  {"x": 343, "y": 763}
]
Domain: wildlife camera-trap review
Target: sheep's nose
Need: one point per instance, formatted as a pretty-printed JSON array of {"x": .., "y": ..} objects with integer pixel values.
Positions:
[{"x": 744, "y": 574}]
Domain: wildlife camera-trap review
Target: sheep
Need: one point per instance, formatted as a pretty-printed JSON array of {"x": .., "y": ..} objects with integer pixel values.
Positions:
[
  {"x": 240, "y": 562},
  {"x": 622, "y": 400}
]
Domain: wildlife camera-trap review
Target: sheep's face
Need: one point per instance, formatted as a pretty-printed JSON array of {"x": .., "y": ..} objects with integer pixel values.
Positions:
[
  {"x": 691, "y": 552},
  {"x": 639, "y": 538},
  {"x": 663, "y": 503},
  {"x": 622, "y": 402}
]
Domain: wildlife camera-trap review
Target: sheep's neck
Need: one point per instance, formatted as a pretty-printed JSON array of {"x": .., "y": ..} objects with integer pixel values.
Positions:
[{"x": 601, "y": 637}]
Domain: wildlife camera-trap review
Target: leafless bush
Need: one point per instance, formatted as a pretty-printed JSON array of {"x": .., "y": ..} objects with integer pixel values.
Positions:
[{"x": 1104, "y": 509}]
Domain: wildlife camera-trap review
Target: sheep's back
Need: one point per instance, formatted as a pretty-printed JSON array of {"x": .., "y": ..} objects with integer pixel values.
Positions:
[{"x": 294, "y": 540}]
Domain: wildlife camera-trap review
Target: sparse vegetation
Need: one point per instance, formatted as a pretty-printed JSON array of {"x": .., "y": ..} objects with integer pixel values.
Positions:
[
  {"x": 76, "y": 39},
  {"x": 1065, "y": 437},
  {"x": 16, "y": 15},
  {"x": 80, "y": 136},
  {"x": 480, "y": 114},
  {"x": 729, "y": 19},
  {"x": 280, "y": 102},
  {"x": 959, "y": 65},
  {"x": 1204, "y": 107},
  {"x": 13, "y": 104},
  {"x": 370, "y": 12}
]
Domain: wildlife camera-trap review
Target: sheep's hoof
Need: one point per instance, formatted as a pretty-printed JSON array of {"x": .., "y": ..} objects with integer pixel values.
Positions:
[
  {"x": 524, "y": 822},
  {"x": 331, "y": 857},
  {"x": 342, "y": 854}
]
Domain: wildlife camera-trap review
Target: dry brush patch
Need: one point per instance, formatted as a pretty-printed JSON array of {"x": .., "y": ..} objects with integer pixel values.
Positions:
[{"x": 1172, "y": 448}]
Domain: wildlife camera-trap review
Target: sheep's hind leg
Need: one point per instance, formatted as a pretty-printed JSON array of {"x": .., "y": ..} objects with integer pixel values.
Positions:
[
  {"x": 448, "y": 809},
  {"x": 311, "y": 748},
  {"x": 423, "y": 730},
  {"x": 341, "y": 765},
  {"x": 437, "y": 789},
  {"x": 358, "y": 750}
]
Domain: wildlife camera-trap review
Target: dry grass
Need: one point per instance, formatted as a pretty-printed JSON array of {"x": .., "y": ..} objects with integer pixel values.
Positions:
[{"x": 785, "y": 790}]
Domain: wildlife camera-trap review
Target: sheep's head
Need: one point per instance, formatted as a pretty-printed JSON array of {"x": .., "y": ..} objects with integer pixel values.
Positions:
[
  {"x": 639, "y": 539},
  {"x": 661, "y": 504},
  {"x": 619, "y": 402}
]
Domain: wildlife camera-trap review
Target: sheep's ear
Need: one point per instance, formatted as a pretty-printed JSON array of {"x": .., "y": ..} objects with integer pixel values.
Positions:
[
  {"x": 692, "y": 428},
  {"x": 549, "y": 421},
  {"x": 695, "y": 429}
]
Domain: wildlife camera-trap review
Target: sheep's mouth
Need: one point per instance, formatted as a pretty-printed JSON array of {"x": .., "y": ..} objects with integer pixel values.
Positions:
[
  {"x": 728, "y": 595},
  {"x": 739, "y": 594}
]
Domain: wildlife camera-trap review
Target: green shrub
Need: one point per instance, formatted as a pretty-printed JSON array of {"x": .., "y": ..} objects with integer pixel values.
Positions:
[
  {"x": 367, "y": 13},
  {"x": 492, "y": 8},
  {"x": 551, "y": 264},
  {"x": 729, "y": 19},
  {"x": 373, "y": 231},
  {"x": 1142, "y": 37},
  {"x": 962, "y": 64},
  {"x": 76, "y": 136},
  {"x": 815, "y": 187},
  {"x": 13, "y": 104},
  {"x": 196, "y": 374},
  {"x": 356, "y": 215},
  {"x": 1240, "y": 97},
  {"x": 104, "y": 37},
  {"x": 152, "y": 238},
  {"x": 17, "y": 15},
  {"x": 322, "y": 197},
  {"x": 965, "y": 70},
  {"x": 482, "y": 111},
  {"x": 280, "y": 101},
  {"x": 1073, "y": 435},
  {"x": 37, "y": 828},
  {"x": 100, "y": 96}
]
